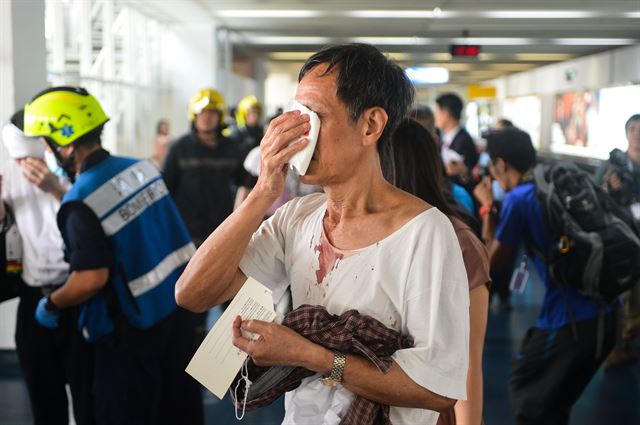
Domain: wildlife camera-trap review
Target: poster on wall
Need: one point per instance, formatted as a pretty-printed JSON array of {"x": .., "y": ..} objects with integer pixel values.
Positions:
[{"x": 590, "y": 123}]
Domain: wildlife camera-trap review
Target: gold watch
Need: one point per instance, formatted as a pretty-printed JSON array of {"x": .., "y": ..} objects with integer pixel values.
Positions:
[{"x": 337, "y": 370}]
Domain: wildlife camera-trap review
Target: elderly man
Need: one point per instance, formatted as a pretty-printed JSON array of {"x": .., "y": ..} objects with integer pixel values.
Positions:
[{"x": 362, "y": 245}]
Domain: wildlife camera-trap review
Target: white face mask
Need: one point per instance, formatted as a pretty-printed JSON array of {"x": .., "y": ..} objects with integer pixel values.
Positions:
[
  {"x": 52, "y": 164},
  {"x": 244, "y": 373}
]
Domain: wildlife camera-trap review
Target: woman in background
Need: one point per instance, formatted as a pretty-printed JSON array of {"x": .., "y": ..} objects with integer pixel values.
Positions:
[{"x": 412, "y": 163}]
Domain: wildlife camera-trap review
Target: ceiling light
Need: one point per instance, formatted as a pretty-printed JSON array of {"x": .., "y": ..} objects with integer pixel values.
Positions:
[
  {"x": 538, "y": 14},
  {"x": 427, "y": 74},
  {"x": 274, "y": 14}
]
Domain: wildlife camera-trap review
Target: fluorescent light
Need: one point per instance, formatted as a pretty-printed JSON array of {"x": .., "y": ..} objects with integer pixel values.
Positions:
[
  {"x": 277, "y": 40},
  {"x": 592, "y": 41},
  {"x": 269, "y": 13},
  {"x": 257, "y": 39},
  {"x": 400, "y": 14},
  {"x": 394, "y": 41},
  {"x": 539, "y": 14},
  {"x": 427, "y": 74}
]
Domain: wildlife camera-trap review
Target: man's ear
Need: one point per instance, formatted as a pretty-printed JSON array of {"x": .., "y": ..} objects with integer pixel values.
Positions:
[
  {"x": 374, "y": 121},
  {"x": 501, "y": 165}
]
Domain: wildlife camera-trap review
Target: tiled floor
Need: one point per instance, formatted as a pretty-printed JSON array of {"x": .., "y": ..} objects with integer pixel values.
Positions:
[{"x": 612, "y": 398}]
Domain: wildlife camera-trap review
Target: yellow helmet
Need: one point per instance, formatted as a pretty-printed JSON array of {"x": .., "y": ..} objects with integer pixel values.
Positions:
[
  {"x": 244, "y": 106},
  {"x": 63, "y": 114},
  {"x": 207, "y": 99}
]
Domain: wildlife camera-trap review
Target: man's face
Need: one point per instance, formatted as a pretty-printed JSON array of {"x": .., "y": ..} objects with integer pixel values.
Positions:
[
  {"x": 441, "y": 117},
  {"x": 339, "y": 148},
  {"x": 253, "y": 116},
  {"x": 633, "y": 135},
  {"x": 498, "y": 172},
  {"x": 207, "y": 121}
]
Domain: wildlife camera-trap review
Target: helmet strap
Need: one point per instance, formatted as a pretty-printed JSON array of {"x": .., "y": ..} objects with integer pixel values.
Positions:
[{"x": 67, "y": 164}]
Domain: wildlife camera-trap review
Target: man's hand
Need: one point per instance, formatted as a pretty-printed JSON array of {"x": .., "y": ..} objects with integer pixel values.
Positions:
[
  {"x": 279, "y": 346},
  {"x": 276, "y": 152},
  {"x": 483, "y": 192},
  {"x": 48, "y": 319},
  {"x": 38, "y": 174}
]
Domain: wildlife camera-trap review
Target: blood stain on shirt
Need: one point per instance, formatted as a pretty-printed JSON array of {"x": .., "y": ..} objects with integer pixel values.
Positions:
[{"x": 328, "y": 259}]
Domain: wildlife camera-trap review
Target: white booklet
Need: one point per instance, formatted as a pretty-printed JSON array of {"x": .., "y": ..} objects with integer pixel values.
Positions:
[{"x": 217, "y": 361}]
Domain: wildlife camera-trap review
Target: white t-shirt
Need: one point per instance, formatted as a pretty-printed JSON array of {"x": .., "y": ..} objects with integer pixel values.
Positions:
[
  {"x": 413, "y": 281},
  {"x": 35, "y": 211}
]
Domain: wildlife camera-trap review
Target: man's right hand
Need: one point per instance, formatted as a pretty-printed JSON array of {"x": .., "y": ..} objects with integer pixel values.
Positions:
[
  {"x": 38, "y": 174},
  {"x": 276, "y": 151}
]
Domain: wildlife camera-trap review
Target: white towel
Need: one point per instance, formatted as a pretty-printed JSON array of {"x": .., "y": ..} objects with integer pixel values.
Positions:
[{"x": 20, "y": 146}]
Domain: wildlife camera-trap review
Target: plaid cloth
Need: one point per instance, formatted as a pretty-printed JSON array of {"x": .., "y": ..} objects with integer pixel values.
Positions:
[{"x": 351, "y": 333}]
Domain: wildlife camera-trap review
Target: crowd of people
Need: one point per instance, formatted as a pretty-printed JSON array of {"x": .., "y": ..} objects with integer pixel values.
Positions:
[{"x": 397, "y": 234}]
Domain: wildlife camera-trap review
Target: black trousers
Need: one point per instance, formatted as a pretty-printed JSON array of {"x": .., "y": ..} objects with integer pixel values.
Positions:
[
  {"x": 52, "y": 358},
  {"x": 140, "y": 377},
  {"x": 552, "y": 370}
]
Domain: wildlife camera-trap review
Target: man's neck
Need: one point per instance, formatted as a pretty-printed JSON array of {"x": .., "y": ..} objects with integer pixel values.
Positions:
[
  {"x": 450, "y": 126},
  {"x": 363, "y": 193},
  {"x": 634, "y": 155},
  {"x": 81, "y": 154},
  {"x": 206, "y": 138}
]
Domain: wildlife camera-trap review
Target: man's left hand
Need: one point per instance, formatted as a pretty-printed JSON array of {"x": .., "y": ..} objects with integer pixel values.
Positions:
[
  {"x": 48, "y": 319},
  {"x": 276, "y": 346},
  {"x": 483, "y": 192}
]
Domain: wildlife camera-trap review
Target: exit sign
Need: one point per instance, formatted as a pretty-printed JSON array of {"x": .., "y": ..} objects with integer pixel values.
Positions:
[{"x": 467, "y": 50}]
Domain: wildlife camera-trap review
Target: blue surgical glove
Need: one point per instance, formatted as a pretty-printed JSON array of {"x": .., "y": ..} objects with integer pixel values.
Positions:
[{"x": 47, "y": 316}]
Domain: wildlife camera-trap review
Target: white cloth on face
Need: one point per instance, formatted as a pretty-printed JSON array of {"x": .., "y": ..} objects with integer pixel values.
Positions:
[
  {"x": 35, "y": 212},
  {"x": 20, "y": 146},
  {"x": 413, "y": 281},
  {"x": 448, "y": 136}
]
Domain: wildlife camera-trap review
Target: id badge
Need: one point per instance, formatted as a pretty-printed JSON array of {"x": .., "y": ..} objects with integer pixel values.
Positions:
[
  {"x": 635, "y": 211},
  {"x": 519, "y": 278}
]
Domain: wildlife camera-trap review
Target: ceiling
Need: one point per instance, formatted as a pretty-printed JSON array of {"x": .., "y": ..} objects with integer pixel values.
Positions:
[{"x": 514, "y": 35}]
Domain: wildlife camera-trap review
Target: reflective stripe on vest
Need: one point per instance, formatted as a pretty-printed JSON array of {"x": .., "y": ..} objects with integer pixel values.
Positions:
[
  {"x": 121, "y": 186},
  {"x": 154, "y": 277}
]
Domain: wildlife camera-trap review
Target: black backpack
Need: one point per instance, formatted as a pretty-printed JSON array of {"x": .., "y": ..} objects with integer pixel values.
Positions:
[{"x": 595, "y": 246}]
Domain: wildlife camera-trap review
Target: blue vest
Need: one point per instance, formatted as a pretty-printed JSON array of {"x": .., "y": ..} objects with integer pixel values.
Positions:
[{"x": 149, "y": 239}]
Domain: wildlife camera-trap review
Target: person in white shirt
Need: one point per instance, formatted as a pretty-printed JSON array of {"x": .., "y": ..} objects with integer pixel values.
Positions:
[
  {"x": 50, "y": 358},
  {"x": 363, "y": 245}
]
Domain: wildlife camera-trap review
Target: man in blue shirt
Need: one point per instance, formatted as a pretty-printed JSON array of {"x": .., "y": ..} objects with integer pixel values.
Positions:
[{"x": 558, "y": 356}]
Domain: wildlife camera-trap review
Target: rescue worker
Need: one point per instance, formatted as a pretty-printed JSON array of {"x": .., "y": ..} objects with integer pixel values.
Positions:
[
  {"x": 126, "y": 246},
  {"x": 202, "y": 166},
  {"x": 248, "y": 131}
]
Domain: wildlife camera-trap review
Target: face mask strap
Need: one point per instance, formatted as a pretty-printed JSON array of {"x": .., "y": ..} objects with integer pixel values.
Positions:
[
  {"x": 68, "y": 164},
  {"x": 244, "y": 374}
]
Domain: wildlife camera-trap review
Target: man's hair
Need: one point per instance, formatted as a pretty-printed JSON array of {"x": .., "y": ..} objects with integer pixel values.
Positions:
[
  {"x": 17, "y": 119},
  {"x": 505, "y": 123},
  {"x": 634, "y": 117},
  {"x": 513, "y": 146},
  {"x": 366, "y": 79},
  {"x": 451, "y": 103},
  {"x": 91, "y": 139}
]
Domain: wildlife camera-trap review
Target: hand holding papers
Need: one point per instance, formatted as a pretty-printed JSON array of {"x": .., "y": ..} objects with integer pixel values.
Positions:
[{"x": 217, "y": 361}]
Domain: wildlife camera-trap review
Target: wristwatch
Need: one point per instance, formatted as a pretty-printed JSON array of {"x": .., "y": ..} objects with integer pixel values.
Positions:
[{"x": 337, "y": 370}]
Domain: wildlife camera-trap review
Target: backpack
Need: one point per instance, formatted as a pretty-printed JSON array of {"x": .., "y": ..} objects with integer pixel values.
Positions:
[{"x": 595, "y": 246}]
